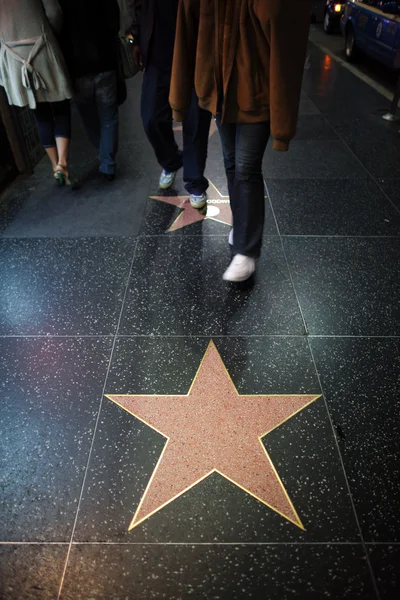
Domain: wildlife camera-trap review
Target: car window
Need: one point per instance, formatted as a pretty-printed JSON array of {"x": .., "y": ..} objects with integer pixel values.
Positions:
[{"x": 380, "y": 3}]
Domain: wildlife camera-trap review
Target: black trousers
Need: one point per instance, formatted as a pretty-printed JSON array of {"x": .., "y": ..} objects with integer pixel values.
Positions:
[
  {"x": 53, "y": 121},
  {"x": 243, "y": 146},
  {"x": 157, "y": 122}
]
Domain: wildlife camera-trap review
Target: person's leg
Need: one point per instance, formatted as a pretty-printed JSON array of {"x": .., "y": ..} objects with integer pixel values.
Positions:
[
  {"x": 45, "y": 123},
  {"x": 107, "y": 106},
  {"x": 157, "y": 118},
  {"x": 227, "y": 132},
  {"x": 196, "y": 130},
  {"x": 85, "y": 102},
  {"x": 248, "y": 192},
  {"x": 62, "y": 130},
  {"x": 52, "y": 153}
]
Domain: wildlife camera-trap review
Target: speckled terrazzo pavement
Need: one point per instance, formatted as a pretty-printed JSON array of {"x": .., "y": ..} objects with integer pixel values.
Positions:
[{"x": 279, "y": 398}]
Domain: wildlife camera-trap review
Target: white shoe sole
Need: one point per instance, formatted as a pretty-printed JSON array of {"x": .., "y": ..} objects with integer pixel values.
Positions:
[
  {"x": 166, "y": 186},
  {"x": 237, "y": 279},
  {"x": 198, "y": 205}
]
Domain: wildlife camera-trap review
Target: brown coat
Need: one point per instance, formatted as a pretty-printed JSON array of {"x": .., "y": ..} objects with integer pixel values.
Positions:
[{"x": 245, "y": 59}]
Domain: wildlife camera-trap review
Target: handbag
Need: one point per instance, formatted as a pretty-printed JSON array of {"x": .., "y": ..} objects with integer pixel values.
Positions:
[{"x": 128, "y": 65}]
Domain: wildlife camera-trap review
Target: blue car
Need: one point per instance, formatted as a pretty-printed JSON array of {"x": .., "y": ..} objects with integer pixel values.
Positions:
[{"x": 373, "y": 27}]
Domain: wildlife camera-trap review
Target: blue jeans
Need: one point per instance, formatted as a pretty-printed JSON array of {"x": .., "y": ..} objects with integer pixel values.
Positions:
[
  {"x": 243, "y": 146},
  {"x": 96, "y": 101}
]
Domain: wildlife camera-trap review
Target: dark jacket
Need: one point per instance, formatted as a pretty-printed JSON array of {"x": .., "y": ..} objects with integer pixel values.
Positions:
[
  {"x": 127, "y": 10},
  {"x": 153, "y": 29},
  {"x": 245, "y": 59},
  {"x": 90, "y": 36}
]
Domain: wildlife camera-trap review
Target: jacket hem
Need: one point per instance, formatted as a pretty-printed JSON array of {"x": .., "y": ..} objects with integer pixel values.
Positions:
[
  {"x": 281, "y": 145},
  {"x": 178, "y": 115}
]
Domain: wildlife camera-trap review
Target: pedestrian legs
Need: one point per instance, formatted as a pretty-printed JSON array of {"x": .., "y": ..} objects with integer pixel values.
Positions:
[
  {"x": 244, "y": 145},
  {"x": 196, "y": 131},
  {"x": 157, "y": 118}
]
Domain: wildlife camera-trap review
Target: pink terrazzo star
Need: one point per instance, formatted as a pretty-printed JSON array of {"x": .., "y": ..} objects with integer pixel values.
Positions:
[
  {"x": 217, "y": 209},
  {"x": 213, "y": 429}
]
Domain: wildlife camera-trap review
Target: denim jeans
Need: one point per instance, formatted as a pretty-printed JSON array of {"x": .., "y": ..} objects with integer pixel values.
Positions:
[
  {"x": 243, "y": 146},
  {"x": 96, "y": 101},
  {"x": 157, "y": 123},
  {"x": 53, "y": 121}
]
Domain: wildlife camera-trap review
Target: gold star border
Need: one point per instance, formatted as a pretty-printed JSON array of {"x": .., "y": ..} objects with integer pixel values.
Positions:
[{"x": 313, "y": 398}]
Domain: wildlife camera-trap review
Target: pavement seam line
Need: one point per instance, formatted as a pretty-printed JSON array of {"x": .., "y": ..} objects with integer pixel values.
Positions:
[{"x": 97, "y": 420}]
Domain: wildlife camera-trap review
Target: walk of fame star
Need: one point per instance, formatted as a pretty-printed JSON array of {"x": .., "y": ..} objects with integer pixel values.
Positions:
[
  {"x": 217, "y": 209},
  {"x": 213, "y": 429}
]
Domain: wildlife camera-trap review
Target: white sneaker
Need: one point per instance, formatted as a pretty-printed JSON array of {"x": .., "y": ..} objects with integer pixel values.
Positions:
[
  {"x": 230, "y": 238},
  {"x": 241, "y": 268},
  {"x": 198, "y": 201},
  {"x": 167, "y": 179}
]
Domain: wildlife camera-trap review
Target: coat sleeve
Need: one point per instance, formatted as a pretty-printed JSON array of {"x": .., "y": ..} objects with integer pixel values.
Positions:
[
  {"x": 54, "y": 14},
  {"x": 126, "y": 10},
  {"x": 286, "y": 24},
  {"x": 184, "y": 63},
  {"x": 134, "y": 10},
  {"x": 130, "y": 13}
]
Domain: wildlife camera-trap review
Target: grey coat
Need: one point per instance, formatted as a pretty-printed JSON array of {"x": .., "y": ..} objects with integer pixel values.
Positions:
[{"x": 32, "y": 67}]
